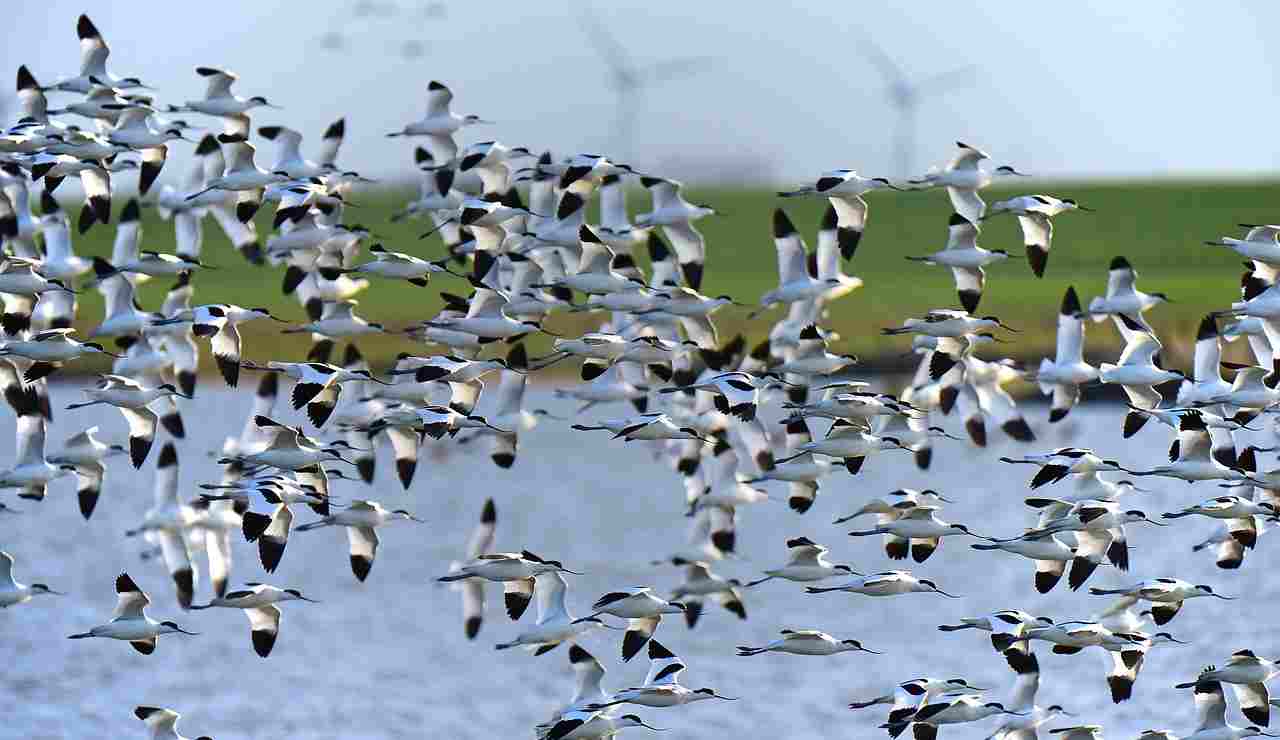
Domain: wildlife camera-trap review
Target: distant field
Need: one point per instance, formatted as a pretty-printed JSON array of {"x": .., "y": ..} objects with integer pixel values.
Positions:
[{"x": 1160, "y": 228}]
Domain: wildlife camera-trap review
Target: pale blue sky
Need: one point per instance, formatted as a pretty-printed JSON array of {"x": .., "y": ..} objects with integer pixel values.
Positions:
[{"x": 1094, "y": 87}]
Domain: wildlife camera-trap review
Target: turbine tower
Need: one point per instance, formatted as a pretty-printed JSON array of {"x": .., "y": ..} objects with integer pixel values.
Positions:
[
  {"x": 906, "y": 96},
  {"x": 629, "y": 80}
]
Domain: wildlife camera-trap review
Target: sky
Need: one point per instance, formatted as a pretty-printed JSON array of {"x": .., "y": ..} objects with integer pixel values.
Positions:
[{"x": 1091, "y": 88}]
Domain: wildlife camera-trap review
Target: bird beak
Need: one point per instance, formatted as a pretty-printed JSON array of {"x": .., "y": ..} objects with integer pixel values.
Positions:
[
  {"x": 313, "y": 601},
  {"x": 185, "y": 632},
  {"x": 1008, "y": 328},
  {"x": 655, "y": 729},
  {"x": 1158, "y": 524},
  {"x": 416, "y": 519},
  {"x": 55, "y": 593},
  {"x": 1224, "y": 598},
  {"x": 571, "y": 572},
  {"x": 867, "y": 650},
  {"x": 1086, "y": 209},
  {"x": 441, "y": 226},
  {"x": 944, "y": 593}
]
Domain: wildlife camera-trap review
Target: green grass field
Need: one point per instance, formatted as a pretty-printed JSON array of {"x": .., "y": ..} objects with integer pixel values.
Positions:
[{"x": 1159, "y": 227}]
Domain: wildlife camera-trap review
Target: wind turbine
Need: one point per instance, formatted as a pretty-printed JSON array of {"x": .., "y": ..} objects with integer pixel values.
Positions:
[
  {"x": 629, "y": 80},
  {"x": 906, "y": 95}
]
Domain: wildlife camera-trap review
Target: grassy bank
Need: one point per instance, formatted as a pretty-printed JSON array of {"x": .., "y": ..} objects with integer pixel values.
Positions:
[{"x": 1159, "y": 227}]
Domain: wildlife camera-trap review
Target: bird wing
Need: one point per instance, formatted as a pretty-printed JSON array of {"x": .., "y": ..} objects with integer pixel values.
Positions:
[
  {"x": 549, "y": 589},
  {"x": 130, "y": 600},
  {"x": 688, "y": 242},
  {"x": 1211, "y": 706},
  {"x": 363, "y": 541},
  {"x": 218, "y": 82},
  {"x": 438, "y": 99},
  {"x": 1037, "y": 230},
  {"x": 30, "y": 434},
  {"x": 967, "y": 203},
  {"x": 1070, "y": 345}
]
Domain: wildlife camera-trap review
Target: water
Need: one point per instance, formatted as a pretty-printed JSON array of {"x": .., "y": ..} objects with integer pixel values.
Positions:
[{"x": 387, "y": 658}]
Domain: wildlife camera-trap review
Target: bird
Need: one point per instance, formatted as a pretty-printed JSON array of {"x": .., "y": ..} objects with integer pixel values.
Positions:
[
  {"x": 129, "y": 620},
  {"x": 13, "y": 593},
  {"x": 1035, "y": 215},
  {"x": 966, "y": 259},
  {"x": 132, "y": 398},
  {"x": 218, "y": 99},
  {"x": 642, "y": 608},
  {"x": 162, "y": 722},
  {"x": 1211, "y": 709},
  {"x": 806, "y": 563},
  {"x": 963, "y": 178},
  {"x": 554, "y": 625},
  {"x": 166, "y": 524},
  {"x": 439, "y": 123},
  {"x": 517, "y": 569},
  {"x": 963, "y": 709},
  {"x": 1165, "y": 594},
  {"x": 361, "y": 519},
  {"x": 93, "y": 63},
  {"x": 1123, "y": 297},
  {"x": 1062, "y": 376},
  {"x": 888, "y": 583},
  {"x": 1248, "y": 675},
  {"x": 844, "y": 190},
  {"x": 258, "y": 601},
  {"x": 473, "y": 590},
  {"x": 32, "y": 471},
  {"x": 806, "y": 642}
]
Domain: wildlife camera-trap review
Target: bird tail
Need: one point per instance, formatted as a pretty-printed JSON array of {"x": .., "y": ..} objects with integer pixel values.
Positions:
[
  {"x": 981, "y": 546},
  {"x": 818, "y": 590},
  {"x": 743, "y": 651},
  {"x": 749, "y": 584},
  {"x": 452, "y": 577},
  {"x": 80, "y": 636}
]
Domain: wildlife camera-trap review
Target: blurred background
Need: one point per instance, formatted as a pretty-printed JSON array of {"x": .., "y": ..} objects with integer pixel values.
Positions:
[
  {"x": 731, "y": 91},
  {"x": 1156, "y": 116}
]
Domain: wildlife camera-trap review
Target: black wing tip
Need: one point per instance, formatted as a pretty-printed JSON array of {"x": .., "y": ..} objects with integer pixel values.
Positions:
[
  {"x": 1070, "y": 302},
  {"x": 168, "y": 456},
  {"x": 782, "y": 226}
]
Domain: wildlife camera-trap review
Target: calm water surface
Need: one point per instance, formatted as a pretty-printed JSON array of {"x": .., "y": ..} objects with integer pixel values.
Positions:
[{"x": 387, "y": 658}]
